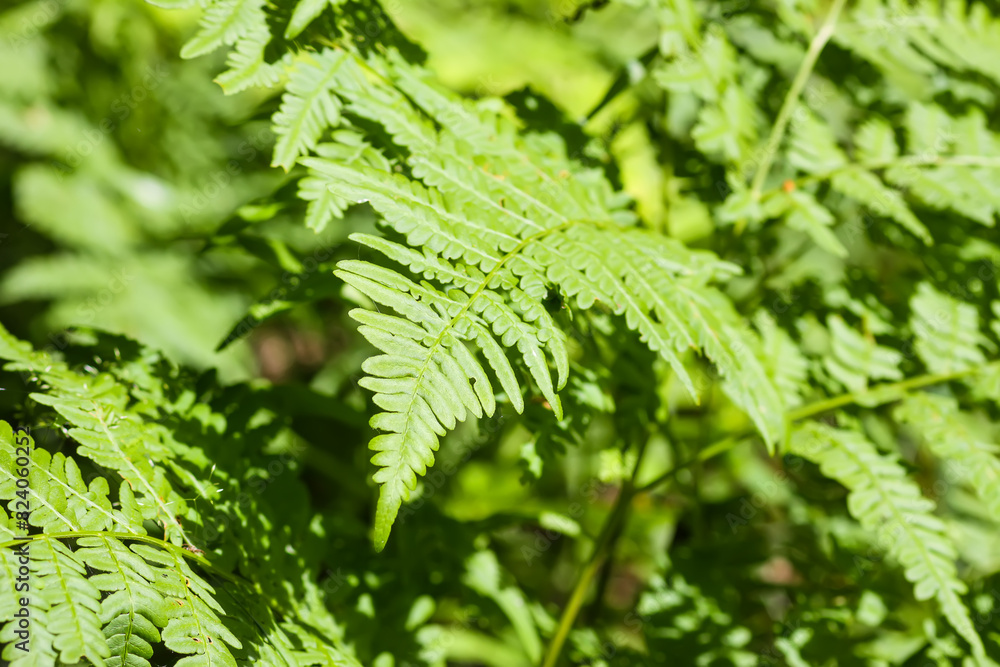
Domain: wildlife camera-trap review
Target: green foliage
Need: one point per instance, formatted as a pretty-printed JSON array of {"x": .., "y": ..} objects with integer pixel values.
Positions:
[{"x": 652, "y": 331}]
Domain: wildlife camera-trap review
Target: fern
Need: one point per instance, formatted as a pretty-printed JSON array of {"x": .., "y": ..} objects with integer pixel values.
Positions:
[
  {"x": 968, "y": 457},
  {"x": 946, "y": 331},
  {"x": 854, "y": 359},
  {"x": 588, "y": 283},
  {"x": 103, "y": 588},
  {"x": 888, "y": 504},
  {"x": 536, "y": 231}
]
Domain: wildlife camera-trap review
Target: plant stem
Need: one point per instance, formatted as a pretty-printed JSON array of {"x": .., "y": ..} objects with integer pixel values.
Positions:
[
  {"x": 823, "y": 36},
  {"x": 586, "y": 576},
  {"x": 811, "y": 410},
  {"x": 881, "y": 390},
  {"x": 605, "y": 542},
  {"x": 716, "y": 448}
]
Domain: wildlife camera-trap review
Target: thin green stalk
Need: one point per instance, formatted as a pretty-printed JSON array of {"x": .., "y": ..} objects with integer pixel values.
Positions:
[
  {"x": 823, "y": 36},
  {"x": 586, "y": 576},
  {"x": 716, "y": 448},
  {"x": 883, "y": 393},
  {"x": 883, "y": 390},
  {"x": 604, "y": 543}
]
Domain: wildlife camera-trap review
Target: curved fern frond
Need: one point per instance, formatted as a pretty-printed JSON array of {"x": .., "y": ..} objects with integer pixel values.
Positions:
[
  {"x": 493, "y": 218},
  {"x": 966, "y": 457},
  {"x": 224, "y": 23},
  {"x": 493, "y": 211},
  {"x": 887, "y": 503},
  {"x": 108, "y": 432},
  {"x": 946, "y": 331},
  {"x": 855, "y": 359}
]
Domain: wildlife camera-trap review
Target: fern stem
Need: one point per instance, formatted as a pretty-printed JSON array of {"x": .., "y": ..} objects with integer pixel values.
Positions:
[
  {"x": 826, "y": 405},
  {"x": 791, "y": 99},
  {"x": 984, "y": 161},
  {"x": 605, "y": 542},
  {"x": 811, "y": 410}
]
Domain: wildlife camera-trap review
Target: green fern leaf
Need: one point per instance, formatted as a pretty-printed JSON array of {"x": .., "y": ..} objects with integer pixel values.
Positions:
[
  {"x": 965, "y": 455},
  {"x": 812, "y": 146},
  {"x": 195, "y": 628},
  {"x": 225, "y": 22},
  {"x": 888, "y": 504},
  {"x": 875, "y": 142},
  {"x": 783, "y": 360},
  {"x": 304, "y": 14},
  {"x": 867, "y": 189},
  {"x": 132, "y": 608},
  {"x": 854, "y": 359},
  {"x": 494, "y": 236},
  {"x": 309, "y": 106},
  {"x": 946, "y": 331},
  {"x": 804, "y": 213},
  {"x": 246, "y": 65}
]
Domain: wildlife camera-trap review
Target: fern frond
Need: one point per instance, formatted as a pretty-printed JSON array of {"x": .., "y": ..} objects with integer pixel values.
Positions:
[
  {"x": 134, "y": 608},
  {"x": 246, "y": 64},
  {"x": 304, "y": 13},
  {"x": 884, "y": 500},
  {"x": 68, "y": 601},
  {"x": 784, "y": 361},
  {"x": 968, "y": 190},
  {"x": 308, "y": 107},
  {"x": 867, "y": 189},
  {"x": 814, "y": 150},
  {"x": 224, "y": 22},
  {"x": 803, "y": 212},
  {"x": 966, "y": 457},
  {"x": 728, "y": 120},
  {"x": 68, "y": 503},
  {"x": 875, "y": 141},
  {"x": 855, "y": 359},
  {"x": 195, "y": 628},
  {"x": 812, "y": 146},
  {"x": 497, "y": 230},
  {"x": 906, "y": 42},
  {"x": 946, "y": 331}
]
